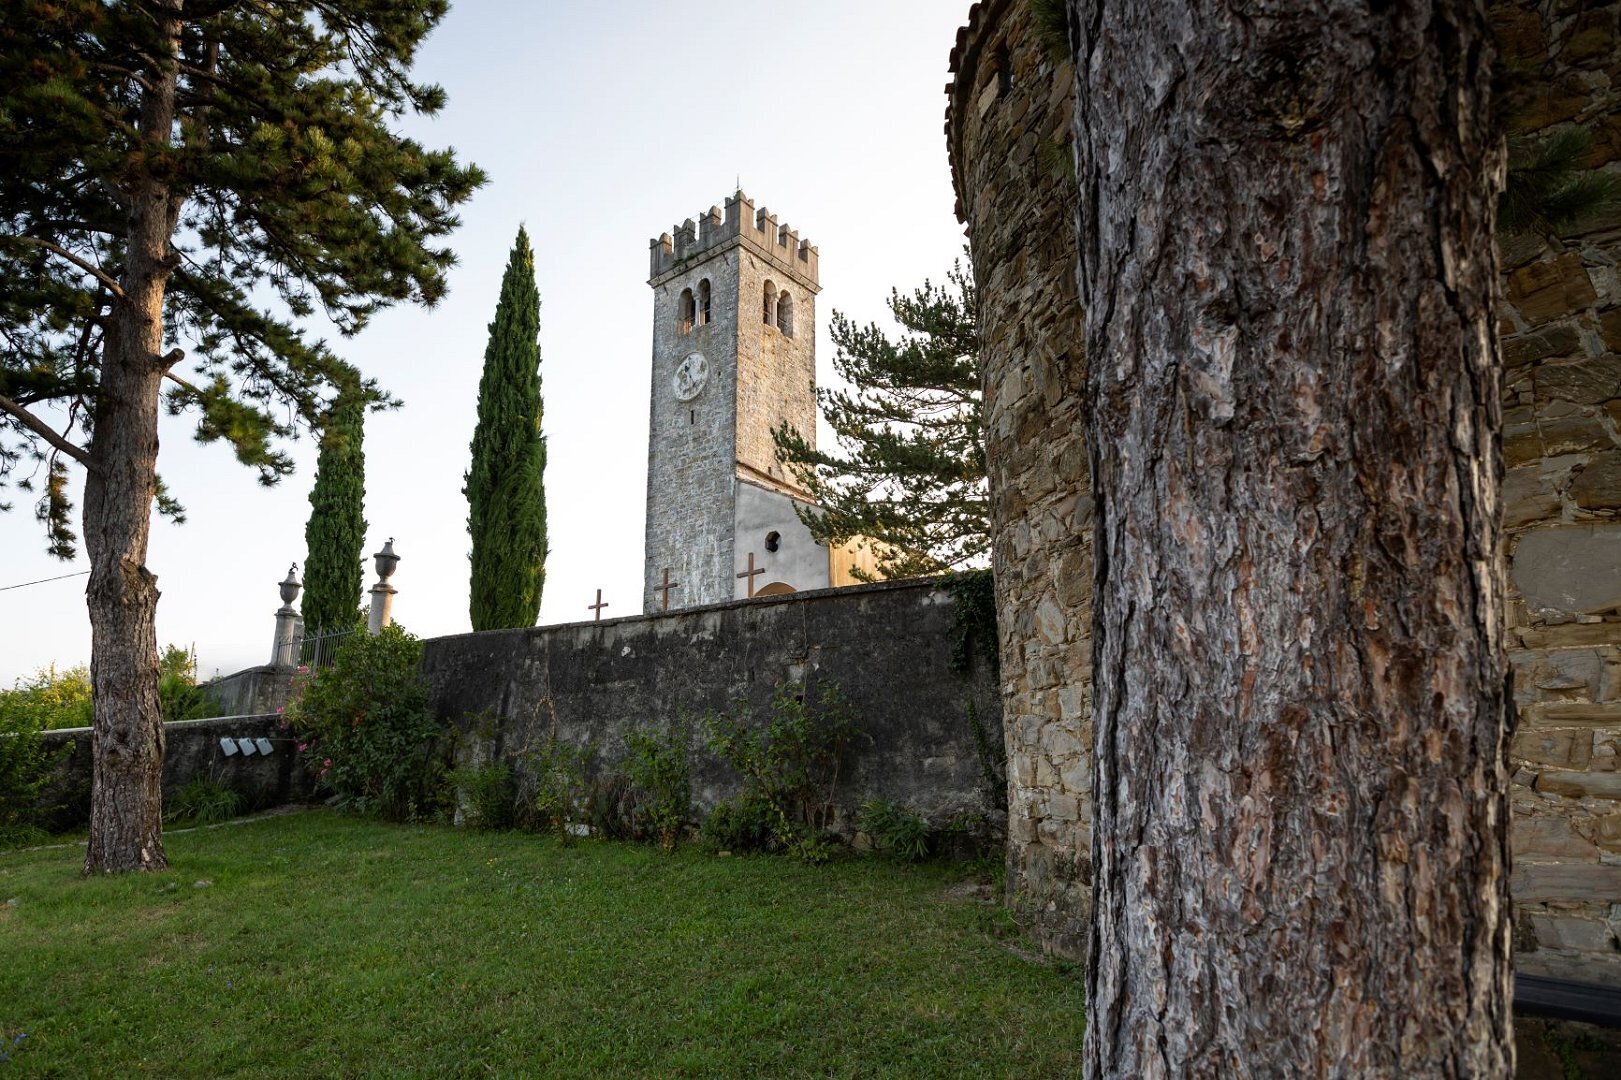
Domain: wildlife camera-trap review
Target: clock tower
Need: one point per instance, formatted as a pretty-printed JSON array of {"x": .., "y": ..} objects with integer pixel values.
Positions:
[{"x": 734, "y": 355}]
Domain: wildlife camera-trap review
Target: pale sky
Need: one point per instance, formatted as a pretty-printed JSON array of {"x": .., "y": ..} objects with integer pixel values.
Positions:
[{"x": 602, "y": 123}]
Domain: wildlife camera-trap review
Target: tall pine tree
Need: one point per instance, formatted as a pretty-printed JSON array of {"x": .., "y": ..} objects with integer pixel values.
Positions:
[
  {"x": 180, "y": 186},
  {"x": 335, "y": 534},
  {"x": 911, "y": 471},
  {"x": 506, "y": 494}
]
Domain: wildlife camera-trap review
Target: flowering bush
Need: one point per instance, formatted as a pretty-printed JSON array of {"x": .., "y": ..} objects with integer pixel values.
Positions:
[{"x": 364, "y": 728}]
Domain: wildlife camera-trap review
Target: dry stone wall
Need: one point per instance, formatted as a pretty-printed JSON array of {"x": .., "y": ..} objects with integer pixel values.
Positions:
[
  {"x": 1560, "y": 324},
  {"x": 1008, "y": 126},
  {"x": 1006, "y": 129}
]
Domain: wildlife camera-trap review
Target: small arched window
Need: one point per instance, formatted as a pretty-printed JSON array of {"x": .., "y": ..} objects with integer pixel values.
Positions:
[
  {"x": 769, "y": 312},
  {"x": 785, "y": 313},
  {"x": 703, "y": 302},
  {"x": 687, "y": 310}
]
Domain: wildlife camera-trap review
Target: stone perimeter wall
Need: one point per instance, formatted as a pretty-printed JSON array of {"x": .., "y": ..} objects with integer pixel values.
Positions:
[
  {"x": 1560, "y": 326},
  {"x": 886, "y": 647},
  {"x": 1008, "y": 129},
  {"x": 192, "y": 749}
]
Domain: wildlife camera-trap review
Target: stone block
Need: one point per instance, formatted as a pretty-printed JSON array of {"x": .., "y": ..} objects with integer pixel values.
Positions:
[
  {"x": 1571, "y": 748},
  {"x": 1609, "y": 328},
  {"x": 1548, "y": 837},
  {"x": 1573, "y": 568},
  {"x": 1528, "y": 496},
  {"x": 1598, "y": 487},
  {"x": 1571, "y": 932},
  {"x": 1581, "y": 785},
  {"x": 1533, "y": 345},
  {"x": 1543, "y": 291},
  {"x": 1588, "y": 381},
  {"x": 1575, "y": 435},
  {"x": 1538, "y": 882},
  {"x": 1569, "y": 635}
]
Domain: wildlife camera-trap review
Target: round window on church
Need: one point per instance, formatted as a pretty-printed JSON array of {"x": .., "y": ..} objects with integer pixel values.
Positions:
[{"x": 773, "y": 541}]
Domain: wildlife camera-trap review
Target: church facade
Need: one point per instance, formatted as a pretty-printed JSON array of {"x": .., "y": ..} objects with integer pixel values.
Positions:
[{"x": 734, "y": 356}]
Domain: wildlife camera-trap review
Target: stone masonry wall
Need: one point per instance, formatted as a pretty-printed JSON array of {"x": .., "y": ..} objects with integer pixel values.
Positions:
[
  {"x": 886, "y": 647},
  {"x": 192, "y": 750},
  {"x": 759, "y": 376},
  {"x": 690, "y": 443},
  {"x": 1560, "y": 324},
  {"x": 1008, "y": 129},
  {"x": 1561, "y": 344}
]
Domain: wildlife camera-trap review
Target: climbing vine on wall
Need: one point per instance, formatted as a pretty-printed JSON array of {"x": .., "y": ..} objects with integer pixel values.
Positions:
[{"x": 973, "y": 613}]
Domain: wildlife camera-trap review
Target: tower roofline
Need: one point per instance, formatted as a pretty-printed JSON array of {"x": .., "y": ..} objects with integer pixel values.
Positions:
[{"x": 740, "y": 225}]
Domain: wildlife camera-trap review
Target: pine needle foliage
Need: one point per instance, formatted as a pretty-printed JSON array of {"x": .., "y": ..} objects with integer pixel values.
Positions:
[
  {"x": 335, "y": 535},
  {"x": 288, "y": 192},
  {"x": 1548, "y": 188},
  {"x": 909, "y": 477},
  {"x": 506, "y": 495}
]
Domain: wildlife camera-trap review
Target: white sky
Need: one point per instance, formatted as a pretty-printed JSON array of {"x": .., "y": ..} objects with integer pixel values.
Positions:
[{"x": 602, "y": 123}]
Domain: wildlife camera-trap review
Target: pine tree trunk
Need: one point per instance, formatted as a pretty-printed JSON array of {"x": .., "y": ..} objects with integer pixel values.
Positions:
[
  {"x": 126, "y": 797},
  {"x": 1287, "y": 267}
]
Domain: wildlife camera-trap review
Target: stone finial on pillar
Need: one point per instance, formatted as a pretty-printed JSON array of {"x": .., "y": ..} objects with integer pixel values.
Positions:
[
  {"x": 283, "y": 652},
  {"x": 382, "y": 593}
]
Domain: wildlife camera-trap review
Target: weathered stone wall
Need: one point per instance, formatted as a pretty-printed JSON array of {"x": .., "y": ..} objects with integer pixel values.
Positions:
[
  {"x": 886, "y": 647},
  {"x": 192, "y": 749},
  {"x": 1560, "y": 321},
  {"x": 251, "y": 691},
  {"x": 1561, "y": 344},
  {"x": 1008, "y": 129},
  {"x": 690, "y": 477}
]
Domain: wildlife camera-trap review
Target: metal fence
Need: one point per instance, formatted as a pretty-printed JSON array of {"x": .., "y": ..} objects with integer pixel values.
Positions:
[{"x": 318, "y": 650}]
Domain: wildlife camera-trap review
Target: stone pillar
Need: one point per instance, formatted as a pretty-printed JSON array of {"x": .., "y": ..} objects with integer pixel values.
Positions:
[
  {"x": 382, "y": 593},
  {"x": 1008, "y": 132},
  {"x": 289, "y": 627}
]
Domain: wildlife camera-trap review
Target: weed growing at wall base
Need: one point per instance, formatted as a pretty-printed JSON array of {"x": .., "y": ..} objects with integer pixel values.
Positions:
[{"x": 790, "y": 769}]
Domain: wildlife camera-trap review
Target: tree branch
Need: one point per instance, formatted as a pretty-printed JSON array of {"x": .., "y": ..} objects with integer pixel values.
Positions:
[
  {"x": 89, "y": 268},
  {"x": 43, "y": 430}
]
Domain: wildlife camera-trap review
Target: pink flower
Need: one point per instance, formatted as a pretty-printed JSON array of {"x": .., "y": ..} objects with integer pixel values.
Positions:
[
  {"x": 303, "y": 746},
  {"x": 327, "y": 764},
  {"x": 280, "y": 709}
]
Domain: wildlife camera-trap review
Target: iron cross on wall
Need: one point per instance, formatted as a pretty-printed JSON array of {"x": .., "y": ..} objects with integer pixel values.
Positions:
[
  {"x": 665, "y": 590},
  {"x": 750, "y": 573}
]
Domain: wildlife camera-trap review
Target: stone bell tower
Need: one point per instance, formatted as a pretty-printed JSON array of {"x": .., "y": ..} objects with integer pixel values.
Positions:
[{"x": 734, "y": 355}]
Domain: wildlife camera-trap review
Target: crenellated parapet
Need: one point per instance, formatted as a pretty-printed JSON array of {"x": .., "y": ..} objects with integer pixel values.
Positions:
[{"x": 739, "y": 223}]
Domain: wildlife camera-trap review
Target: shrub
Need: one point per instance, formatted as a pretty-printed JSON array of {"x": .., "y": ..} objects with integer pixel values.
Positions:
[
  {"x": 48, "y": 700},
  {"x": 488, "y": 795},
  {"x": 558, "y": 783},
  {"x": 895, "y": 828},
  {"x": 179, "y": 696},
  {"x": 789, "y": 765},
  {"x": 203, "y": 800},
  {"x": 365, "y": 729},
  {"x": 744, "y": 824},
  {"x": 26, "y": 768},
  {"x": 660, "y": 779}
]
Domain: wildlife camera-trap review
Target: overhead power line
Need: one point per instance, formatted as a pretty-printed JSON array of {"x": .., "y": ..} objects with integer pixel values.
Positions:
[{"x": 43, "y": 580}]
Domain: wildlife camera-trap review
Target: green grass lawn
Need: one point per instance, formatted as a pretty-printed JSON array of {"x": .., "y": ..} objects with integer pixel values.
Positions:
[{"x": 324, "y": 945}]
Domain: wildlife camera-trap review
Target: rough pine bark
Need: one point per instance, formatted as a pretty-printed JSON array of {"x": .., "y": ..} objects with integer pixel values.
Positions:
[
  {"x": 1287, "y": 266},
  {"x": 126, "y": 797}
]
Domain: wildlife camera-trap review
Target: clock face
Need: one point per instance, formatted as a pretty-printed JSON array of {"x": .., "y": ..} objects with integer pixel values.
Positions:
[{"x": 691, "y": 376}]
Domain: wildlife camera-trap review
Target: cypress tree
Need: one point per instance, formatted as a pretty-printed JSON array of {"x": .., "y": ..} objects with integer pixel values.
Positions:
[
  {"x": 506, "y": 495},
  {"x": 335, "y": 534}
]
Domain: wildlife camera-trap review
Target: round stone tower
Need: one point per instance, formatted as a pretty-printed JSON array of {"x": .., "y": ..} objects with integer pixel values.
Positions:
[{"x": 1008, "y": 134}]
